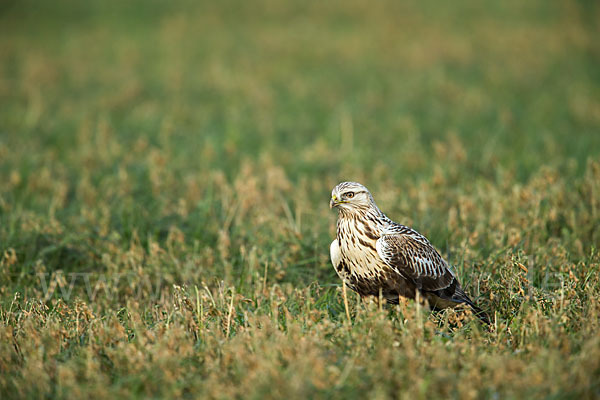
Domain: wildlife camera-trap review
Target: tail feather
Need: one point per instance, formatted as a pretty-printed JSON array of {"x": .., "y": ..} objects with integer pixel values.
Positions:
[
  {"x": 479, "y": 313},
  {"x": 459, "y": 296}
]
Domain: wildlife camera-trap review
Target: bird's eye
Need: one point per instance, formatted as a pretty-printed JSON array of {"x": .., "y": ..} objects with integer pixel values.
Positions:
[{"x": 349, "y": 195}]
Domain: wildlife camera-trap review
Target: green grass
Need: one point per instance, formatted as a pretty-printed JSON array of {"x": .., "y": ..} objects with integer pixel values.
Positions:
[{"x": 165, "y": 172}]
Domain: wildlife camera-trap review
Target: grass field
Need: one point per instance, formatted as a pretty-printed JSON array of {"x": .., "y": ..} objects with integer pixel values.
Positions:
[{"x": 165, "y": 172}]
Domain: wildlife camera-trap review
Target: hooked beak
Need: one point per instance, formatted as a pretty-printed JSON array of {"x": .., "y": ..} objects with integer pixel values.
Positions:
[{"x": 333, "y": 202}]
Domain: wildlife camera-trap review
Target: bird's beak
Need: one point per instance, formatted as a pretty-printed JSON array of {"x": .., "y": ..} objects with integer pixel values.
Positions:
[{"x": 333, "y": 202}]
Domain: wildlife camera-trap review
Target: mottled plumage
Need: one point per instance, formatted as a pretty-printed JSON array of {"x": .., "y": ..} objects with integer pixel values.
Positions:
[{"x": 374, "y": 255}]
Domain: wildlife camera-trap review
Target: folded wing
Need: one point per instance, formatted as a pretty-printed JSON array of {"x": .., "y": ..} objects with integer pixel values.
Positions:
[{"x": 412, "y": 256}]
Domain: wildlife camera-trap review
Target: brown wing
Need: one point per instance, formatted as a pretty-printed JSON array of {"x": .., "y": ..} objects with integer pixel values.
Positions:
[{"x": 412, "y": 256}]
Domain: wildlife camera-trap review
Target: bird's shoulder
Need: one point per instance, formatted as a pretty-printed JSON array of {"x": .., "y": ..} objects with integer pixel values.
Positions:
[{"x": 394, "y": 228}]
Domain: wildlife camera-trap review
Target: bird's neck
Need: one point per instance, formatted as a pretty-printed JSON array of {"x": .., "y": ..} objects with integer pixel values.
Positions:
[{"x": 371, "y": 216}]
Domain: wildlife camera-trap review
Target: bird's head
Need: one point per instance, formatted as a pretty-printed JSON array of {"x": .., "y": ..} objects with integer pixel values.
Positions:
[{"x": 350, "y": 197}]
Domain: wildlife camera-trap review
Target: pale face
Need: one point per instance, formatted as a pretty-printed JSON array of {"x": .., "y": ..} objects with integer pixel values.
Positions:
[{"x": 350, "y": 195}]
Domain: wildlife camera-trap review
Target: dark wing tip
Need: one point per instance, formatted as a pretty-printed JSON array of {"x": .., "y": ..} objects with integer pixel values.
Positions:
[{"x": 479, "y": 313}]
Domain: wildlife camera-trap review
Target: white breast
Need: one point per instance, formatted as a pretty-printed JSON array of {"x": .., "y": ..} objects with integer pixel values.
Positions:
[{"x": 362, "y": 260}]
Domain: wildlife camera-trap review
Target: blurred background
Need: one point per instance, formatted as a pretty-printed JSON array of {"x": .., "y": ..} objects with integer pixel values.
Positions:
[
  {"x": 136, "y": 118},
  {"x": 320, "y": 88}
]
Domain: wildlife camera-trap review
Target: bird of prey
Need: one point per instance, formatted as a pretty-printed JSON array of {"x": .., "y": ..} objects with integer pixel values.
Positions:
[{"x": 374, "y": 255}]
